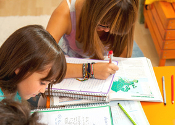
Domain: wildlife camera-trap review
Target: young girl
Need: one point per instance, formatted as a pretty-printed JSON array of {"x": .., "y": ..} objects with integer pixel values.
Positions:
[
  {"x": 30, "y": 61},
  {"x": 91, "y": 28}
]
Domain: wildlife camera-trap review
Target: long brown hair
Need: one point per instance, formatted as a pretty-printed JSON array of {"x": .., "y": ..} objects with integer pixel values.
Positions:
[
  {"x": 31, "y": 49},
  {"x": 120, "y": 15}
]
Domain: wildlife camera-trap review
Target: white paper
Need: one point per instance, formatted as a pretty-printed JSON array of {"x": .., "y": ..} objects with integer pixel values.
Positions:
[
  {"x": 135, "y": 80},
  {"x": 133, "y": 108},
  {"x": 89, "y": 87},
  {"x": 100, "y": 115}
]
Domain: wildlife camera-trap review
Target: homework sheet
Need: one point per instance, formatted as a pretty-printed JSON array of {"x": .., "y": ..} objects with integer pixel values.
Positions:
[
  {"x": 133, "y": 108},
  {"x": 95, "y": 115},
  {"x": 135, "y": 80}
]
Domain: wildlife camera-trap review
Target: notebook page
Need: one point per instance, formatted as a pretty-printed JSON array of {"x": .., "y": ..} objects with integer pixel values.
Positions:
[
  {"x": 91, "y": 86},
  {"x": 133, "y": 108},
  {"x": 135, "y": 80},
  {"x": 100, "y": 115}
]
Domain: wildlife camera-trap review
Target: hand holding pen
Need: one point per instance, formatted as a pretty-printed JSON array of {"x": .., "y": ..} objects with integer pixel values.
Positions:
[{"x": 103, "y": 70}]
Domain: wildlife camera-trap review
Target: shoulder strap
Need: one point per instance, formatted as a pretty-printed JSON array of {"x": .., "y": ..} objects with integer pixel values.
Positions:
[{"x": 68, "y": 3}]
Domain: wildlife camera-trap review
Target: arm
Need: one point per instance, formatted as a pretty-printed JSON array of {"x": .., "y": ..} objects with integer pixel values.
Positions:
[
  {"x": 101, "y": 70},
  {"x": 60, "y": 22}
]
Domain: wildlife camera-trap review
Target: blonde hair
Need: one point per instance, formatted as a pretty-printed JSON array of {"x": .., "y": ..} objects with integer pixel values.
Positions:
[{"x": 120, "y": 15}]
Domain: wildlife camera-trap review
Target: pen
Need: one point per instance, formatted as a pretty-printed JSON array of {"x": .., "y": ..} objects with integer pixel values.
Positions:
[
  {"x": 164, "y": 93},
  {"x": 126, "y": 114},
  {"x": 110, "y": 55},
  {"x": 172, "y": 89}
]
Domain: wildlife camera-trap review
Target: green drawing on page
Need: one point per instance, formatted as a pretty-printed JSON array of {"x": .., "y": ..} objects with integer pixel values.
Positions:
[{"x": 123, "y": 85}]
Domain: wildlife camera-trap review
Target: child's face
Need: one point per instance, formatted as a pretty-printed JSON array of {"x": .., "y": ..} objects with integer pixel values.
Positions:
[
  {"x": 33, "y": 85},
  {"x": 104, "y": 28}
]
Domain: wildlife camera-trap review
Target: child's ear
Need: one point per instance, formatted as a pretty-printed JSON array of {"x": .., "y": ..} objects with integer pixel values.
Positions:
[{"x": 17, "y": 71}]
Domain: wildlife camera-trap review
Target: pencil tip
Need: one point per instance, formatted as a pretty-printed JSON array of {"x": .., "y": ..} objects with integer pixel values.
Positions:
[{"x": 172, "y": 102}]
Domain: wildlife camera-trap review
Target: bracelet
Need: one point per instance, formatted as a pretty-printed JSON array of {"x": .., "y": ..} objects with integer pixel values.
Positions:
[
  {"x": 85, "y": 73},
  {"x": 89, "y": 70},
  {"x": 83, "y": 70},
  {"x": 92, "y": 70}
]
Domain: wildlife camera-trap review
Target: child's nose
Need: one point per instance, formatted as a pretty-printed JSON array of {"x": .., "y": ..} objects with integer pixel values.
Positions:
[{"x": 42, "y": 90}]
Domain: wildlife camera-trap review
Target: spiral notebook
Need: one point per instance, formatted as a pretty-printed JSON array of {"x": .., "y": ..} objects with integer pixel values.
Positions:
[
  {"x": 91, "y": 89},
  {"x": 79, "y": 115},
  {"x": 133, "y": 108}
]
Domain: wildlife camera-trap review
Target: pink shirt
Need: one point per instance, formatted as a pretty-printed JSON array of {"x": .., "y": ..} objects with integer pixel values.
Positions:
[{"x": 68, "y": 42}]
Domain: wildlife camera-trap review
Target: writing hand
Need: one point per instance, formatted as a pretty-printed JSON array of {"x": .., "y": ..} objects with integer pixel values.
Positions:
[{"x": 103, "y": 70}]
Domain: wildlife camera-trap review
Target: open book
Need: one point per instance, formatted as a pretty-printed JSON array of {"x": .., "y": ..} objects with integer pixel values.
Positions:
[
  {"x": 135, "y": 80},
  {"x": 89, "y": 115},
  {"x": 91, "y": 89}
]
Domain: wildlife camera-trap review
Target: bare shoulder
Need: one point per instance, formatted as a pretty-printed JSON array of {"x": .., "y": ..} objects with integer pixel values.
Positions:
[
  {"x": 63, "y": 7},
  {"x": 62, "y": 10},
  {"x": 60, "y": 21}
]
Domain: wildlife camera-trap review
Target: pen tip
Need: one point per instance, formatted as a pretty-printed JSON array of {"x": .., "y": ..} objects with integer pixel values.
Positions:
[{"x": 164, "y": 103}]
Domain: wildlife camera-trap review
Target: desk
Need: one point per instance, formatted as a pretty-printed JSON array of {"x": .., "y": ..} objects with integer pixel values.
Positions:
[{"x": 157, "y": 113}]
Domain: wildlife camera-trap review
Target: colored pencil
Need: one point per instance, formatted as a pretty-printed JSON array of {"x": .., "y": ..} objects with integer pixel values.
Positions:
[
  {"x": 121, "y": 107},
  {"x": 172, "y": 89},
  {"x": 164, "y": 93}
]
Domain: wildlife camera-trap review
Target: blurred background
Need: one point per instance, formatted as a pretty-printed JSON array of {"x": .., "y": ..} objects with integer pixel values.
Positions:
[{"x": 46, "y": 7}]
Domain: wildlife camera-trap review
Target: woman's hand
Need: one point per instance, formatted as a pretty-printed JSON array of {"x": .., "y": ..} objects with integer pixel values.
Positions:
[{"x": 103, "y": 70}]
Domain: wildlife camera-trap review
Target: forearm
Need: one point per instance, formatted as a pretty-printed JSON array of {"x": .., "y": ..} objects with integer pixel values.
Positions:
[
  {"x": 100, "y": 70},
  {"x": 74, "y": 71}
]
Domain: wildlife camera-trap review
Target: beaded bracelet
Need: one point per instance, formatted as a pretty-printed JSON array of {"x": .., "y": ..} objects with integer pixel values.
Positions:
[
  {"x": 89, "y": 70},
  {"x": 92, "y": 70},
  {"x": 83, "y": 70}
]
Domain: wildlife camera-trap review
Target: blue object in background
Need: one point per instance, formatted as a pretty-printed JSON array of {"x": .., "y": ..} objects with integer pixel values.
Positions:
[{"x": 136, "y": 51}]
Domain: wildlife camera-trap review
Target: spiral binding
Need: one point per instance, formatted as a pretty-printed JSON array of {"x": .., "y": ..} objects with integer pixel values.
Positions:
[
  {"x": 58, "y": 107},
  {"x": 86, "y": 96}
]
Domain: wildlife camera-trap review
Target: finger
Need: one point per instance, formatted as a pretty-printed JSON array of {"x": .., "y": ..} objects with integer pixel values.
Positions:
[
  {"x": 113, "y": 72},
  {"x": 113, "y": 66}
]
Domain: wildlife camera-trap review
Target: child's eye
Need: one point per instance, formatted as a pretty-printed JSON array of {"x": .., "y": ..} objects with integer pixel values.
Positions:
[{"x": 42, "y": 83}]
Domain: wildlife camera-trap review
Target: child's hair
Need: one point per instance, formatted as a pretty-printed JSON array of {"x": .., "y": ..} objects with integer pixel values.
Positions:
[
  {"x": 31, "y": 49},
  {"x": 16, "y": 113},
  {"x": 119, "y": 15}
]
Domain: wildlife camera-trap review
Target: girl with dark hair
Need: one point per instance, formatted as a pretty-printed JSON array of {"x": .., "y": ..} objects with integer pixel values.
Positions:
[{"x": 30, "y": 61}]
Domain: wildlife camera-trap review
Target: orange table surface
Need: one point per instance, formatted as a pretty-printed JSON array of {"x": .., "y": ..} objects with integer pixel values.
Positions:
[{"x": 158, "y": 113}]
